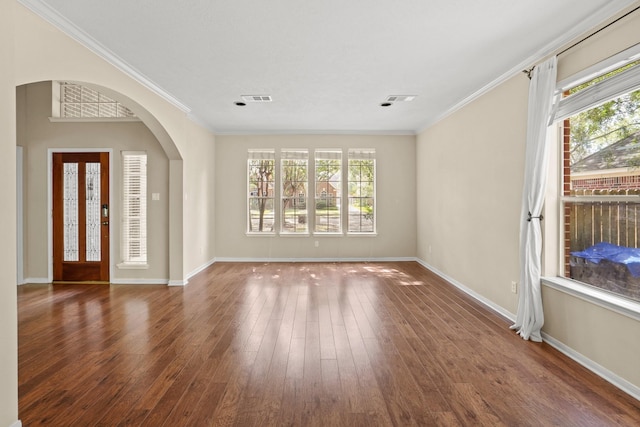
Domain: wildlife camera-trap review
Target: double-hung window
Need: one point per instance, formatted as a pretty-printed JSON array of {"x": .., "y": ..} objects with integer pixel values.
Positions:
[
  {"x": 361, "y": 185},
  {"x": 134, "y": 208},
  {"x": 601, "y": 180},
  {"x": 328, "y": 190},
  {"x": 261, "y": 192},
  {"x": 294, "y": 184}
]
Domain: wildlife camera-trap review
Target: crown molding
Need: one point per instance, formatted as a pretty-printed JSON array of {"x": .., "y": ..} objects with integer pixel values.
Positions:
[
  {"x": 228, "y": 132},
  {"x": 52, "y": 16},
  {"x": 607, "y": 11}
]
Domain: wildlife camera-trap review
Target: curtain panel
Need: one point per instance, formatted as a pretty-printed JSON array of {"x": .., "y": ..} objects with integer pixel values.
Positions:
[{"x": 530, "y": 316}]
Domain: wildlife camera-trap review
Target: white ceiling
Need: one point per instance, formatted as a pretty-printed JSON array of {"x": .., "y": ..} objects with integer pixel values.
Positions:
[{"x": 328, "y": 64}]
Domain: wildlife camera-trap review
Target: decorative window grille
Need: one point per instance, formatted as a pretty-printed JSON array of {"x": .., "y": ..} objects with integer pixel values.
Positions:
[
  {"x": 134, "y": 207},
  {"x": 77, "y": 101},
  {"x": 328, "y": 187},
  {"x": 361, "y": 184},
  {"x": 294, "y": 178}
]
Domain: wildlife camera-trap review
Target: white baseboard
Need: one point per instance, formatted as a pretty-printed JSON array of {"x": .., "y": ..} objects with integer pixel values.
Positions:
[
  {"x": 36, "y": 280},
  {"x": 139, "y": 281},
  {"x": 201, "y": 268},
  {"x": 383, "y": 259},
  {"x": 488, "y": 303},
  {"x": 601, "y": 371},
  {"x": 177, "y": 282},
  {"x": 16, "y": 424}
]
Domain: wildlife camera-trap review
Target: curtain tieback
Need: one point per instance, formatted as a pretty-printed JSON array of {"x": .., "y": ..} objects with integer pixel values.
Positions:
[{"x": 530, "y": 217}]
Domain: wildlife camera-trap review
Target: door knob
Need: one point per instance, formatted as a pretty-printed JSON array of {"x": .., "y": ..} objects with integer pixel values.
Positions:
[{"x": 105, "y": 222}]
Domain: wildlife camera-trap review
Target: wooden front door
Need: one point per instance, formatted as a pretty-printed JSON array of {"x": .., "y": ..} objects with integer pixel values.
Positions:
[{"x": 81, "y": 217}]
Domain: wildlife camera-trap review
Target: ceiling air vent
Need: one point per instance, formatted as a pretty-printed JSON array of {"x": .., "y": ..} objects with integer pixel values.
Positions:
[
  {"x": 400, "y": 98},
  {"x": 256, "y": 98}
]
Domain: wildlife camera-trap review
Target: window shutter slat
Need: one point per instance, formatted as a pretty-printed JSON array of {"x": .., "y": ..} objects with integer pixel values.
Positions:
[{"x": 134, "y": 208}]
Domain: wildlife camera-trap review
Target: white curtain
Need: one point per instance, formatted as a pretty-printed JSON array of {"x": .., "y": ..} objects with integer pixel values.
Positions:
[{"x": 530, "y": 317}]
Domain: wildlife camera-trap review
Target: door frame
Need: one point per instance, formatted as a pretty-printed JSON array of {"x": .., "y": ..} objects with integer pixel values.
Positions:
[
  {"x": 19, "y": 214},
  {"x": 50, "y": 153}
]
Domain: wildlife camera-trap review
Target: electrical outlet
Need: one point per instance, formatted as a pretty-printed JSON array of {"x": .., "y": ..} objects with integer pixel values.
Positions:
[{"x": 514, "y": 287}]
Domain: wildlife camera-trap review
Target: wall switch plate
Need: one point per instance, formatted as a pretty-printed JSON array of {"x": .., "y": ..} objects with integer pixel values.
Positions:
[
  {"x": 155, "y": 196},
  {"x": 514, "y": 287}
]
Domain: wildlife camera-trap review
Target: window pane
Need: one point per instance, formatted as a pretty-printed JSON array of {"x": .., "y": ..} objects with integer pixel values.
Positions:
[
  {"x": 328, "y": 182},
  {"x": 603, "y": 245},
  {"x": 361, "y": 195},
  {"x": 602, "y": 146},
  {"x": 294, "y": 194},
  {"x": 261, "y": 213}
]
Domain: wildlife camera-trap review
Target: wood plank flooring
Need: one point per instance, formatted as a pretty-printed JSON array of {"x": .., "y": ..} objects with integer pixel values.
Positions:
[{"x": 300, "y": 344}]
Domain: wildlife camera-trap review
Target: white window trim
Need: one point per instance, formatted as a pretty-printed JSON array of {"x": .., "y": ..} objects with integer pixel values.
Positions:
[
  {"x": 364, "y": 154},
  {"x": 266, "y": 154},
  {"x": 329, "y": 154},
  {"x": 93, "y": 119},
  {"x": 593, "y": 295},
  {"x": 293, "y": 154},
  {"x": 127, "y": 264}
]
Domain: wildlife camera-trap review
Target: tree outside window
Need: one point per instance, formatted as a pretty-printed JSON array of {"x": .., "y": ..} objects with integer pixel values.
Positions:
[{"x": 261, "y": 193}]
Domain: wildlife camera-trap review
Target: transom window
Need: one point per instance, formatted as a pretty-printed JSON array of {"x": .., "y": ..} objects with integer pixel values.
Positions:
[{"x": 77, "y": 101}]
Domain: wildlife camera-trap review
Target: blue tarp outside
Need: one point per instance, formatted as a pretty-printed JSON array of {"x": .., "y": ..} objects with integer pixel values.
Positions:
[{"x": 630, "y": 257}]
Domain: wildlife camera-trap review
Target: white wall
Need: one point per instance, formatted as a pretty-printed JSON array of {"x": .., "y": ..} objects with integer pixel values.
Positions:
[
  {"x": 469, "y": 187},
  {"x": 469, "y": 192},
  {"x": 36, "y": 133},
  {"x": 8, "y": 297},
  {"x": 395, "y": 200},
  {"x": 44, "y": 53}
]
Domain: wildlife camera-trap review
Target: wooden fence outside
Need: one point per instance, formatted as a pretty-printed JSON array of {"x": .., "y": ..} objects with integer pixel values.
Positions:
[{"x": 613, "y": 222}]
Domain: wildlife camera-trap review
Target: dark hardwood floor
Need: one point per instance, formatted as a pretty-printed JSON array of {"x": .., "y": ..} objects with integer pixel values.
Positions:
[{"x": 305, "y": 344}]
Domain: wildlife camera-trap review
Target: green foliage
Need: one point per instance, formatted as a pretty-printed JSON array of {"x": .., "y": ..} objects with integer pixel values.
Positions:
[
  {"x": 595, "y": 129},
  {"x": 361, "y": 178},
  {"x": 261, "y": 182}
]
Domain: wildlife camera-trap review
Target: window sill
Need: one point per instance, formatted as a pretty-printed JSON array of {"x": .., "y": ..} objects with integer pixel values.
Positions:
[
  {"x": 93, "y": 119},
  {"x": 319, "y": 234},
  {"x": 305, "y": 234},
  {"x": 603, "y": 299},
  {"x": 131, "y": 266},
  {"x": 263, "y": 234},
  {"x": 372, "y": 234}
]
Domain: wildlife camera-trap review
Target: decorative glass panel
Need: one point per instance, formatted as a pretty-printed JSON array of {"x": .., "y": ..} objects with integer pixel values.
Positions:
[
  {"x": 93, "y": 218},
  {"x": 70, "y": 197}
]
